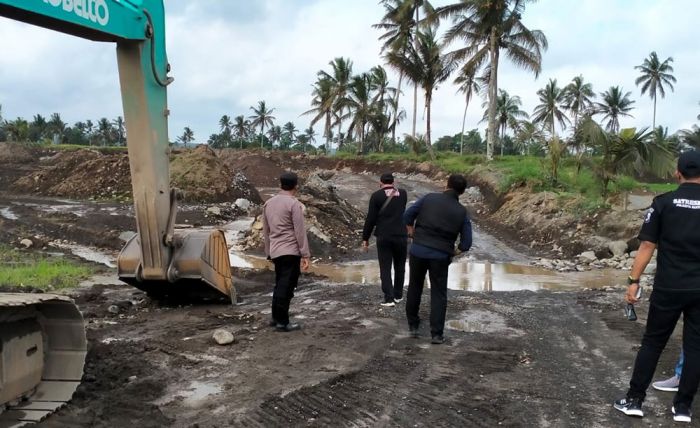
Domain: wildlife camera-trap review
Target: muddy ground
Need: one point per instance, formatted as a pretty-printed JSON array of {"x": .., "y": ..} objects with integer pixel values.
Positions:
[{"x": 512, "y": 358}]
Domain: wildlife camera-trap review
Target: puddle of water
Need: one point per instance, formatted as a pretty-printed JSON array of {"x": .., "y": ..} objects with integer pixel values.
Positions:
[
  {"x": 464, "y": 274},
  {"x": 8, "y": 214},
  {"x": 89, "y": 254},
  {"x": 480, "y": 321},
  {"x": 194, "y": 395}
]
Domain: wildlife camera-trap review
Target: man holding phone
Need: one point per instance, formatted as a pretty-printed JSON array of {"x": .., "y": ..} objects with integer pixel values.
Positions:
[{"x": 671, "y": 225}]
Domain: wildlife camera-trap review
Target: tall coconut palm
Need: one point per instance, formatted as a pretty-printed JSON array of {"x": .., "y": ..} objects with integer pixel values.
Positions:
[
  {"x": 427, "y": 66},
  {"x": 468, "y": 85},
  {"x": 340, "y": 77},
  {"x": 508, "y": 113},
  {"x": 105, "y": 130},
  {"x": 527, "y": 135},
  {"x": 488, "y": 27},
  {"x": 262, "y": 117},
  {"x": 359, "y": 105},
  {"x": 275, "y": 134},
  {"x": 401, "y": 22},
  {"x": 56, "y": 126},
  {"x": 119, "y": 129},
  {"x": 241, "y": 129},
  {"x": 578, "y": 98},
  {"x": 654, "y": 76},
  {"x": 37, "y": 127},
  {"x": 289, "y": 132},
  {"x": 550, "y": 111},
  {"x": 614, "y": 105},
  {"x": 310, "y": 135},
  {"x": 322, "y": 106},
  {"x": 186, "y": 137}
]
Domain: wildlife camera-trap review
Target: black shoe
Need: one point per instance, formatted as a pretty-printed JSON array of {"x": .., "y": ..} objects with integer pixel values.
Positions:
[
  {"x": 413, "y": 332},
  {"x": 630, "y": 406},
  {"x": 438, "y": 340},
  {"x": 288, "y": 327},
  {"x": 681, "y": 412}
]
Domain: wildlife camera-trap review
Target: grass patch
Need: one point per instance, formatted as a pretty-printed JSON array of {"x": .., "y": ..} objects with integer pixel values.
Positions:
[
  {"x": 660, "y": 187},
  {"x": 75, "y": 147},
  {"x": 20, "y": 269}
]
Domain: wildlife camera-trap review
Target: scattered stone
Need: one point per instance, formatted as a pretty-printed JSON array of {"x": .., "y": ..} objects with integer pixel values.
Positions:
[
  {"x": 26, "y": 243},
  {"x": 243, "y": 204},
  {"x": 223, "y": 337},
  {"x": 113, "y": 309},
  {"x": 588, "y": 256},
  {"x": 214, "y": 210},
  {"x": 617, "y": 248},
  {"x": 633, "y": 254},
  {"x": 132, "y": 378}
]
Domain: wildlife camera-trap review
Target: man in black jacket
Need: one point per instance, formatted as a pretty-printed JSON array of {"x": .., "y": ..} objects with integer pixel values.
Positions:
[
  {"x": 435, "y": 221},
  {"x": 385, "y": 217},
  {"x": 672, "y": 225}
]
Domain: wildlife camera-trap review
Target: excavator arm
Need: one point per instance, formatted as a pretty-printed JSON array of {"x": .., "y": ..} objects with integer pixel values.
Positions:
[{"x": 159, "y": 259}]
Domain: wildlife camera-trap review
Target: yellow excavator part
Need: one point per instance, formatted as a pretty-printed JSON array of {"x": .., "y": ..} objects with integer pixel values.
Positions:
[
  {"x": 199, "y": 267},
  {"x": 42, "y": 355}
]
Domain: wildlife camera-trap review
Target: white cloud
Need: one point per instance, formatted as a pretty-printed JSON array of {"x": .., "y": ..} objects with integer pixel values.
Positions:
[{"x": 226, "y": 56}]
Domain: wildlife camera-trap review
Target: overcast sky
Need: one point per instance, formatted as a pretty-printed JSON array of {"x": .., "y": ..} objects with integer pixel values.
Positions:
[{"x": 226, "y": 55}]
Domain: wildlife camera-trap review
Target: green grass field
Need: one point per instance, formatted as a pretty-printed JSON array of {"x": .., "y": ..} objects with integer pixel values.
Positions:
[{"x": 24, "y": 269}]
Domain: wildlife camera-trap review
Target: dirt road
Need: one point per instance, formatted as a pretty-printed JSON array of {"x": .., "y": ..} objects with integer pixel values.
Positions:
[{"x": 512, "y": 359}]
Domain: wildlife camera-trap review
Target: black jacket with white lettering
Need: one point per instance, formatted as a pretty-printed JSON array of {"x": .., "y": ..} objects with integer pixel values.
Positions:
[{"x": 673, "y": 223}]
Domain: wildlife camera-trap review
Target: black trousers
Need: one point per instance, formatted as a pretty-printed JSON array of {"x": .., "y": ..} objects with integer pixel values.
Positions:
[
  {"x": 287, "y": 271},
  {"x": 437, "y": 271},
  {"x": 392, "y": 251},
  {"x": 665, "y": 308}
]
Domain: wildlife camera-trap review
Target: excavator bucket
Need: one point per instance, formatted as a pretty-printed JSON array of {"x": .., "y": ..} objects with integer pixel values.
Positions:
[
  {"x": 42, "y": 354},
  {"x": 199, "y": 267}
]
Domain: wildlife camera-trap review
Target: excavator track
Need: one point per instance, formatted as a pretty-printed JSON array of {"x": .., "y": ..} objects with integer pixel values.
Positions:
[{"x": 42, "y": 355}]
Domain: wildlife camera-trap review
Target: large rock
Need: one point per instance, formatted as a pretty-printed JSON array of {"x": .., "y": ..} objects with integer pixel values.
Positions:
[
  {"x": 26, "y": 243},
  {"x": 617, "y": 248},
  {"x": 223, "y": 337},
  {"x": 587, "y": 256},
  {"x": 243, "y": 204}
]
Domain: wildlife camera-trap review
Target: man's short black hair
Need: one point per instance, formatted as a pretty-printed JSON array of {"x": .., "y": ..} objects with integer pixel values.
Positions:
[
  {"x": 457, "y": 182},
  {"x": 689, "y": 164},
  {"x": 288, "y": 181},
  {"x": 387, "y": 178}
]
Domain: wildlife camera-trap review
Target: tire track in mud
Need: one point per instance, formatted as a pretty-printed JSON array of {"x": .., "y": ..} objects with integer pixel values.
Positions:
[{"x": 410, "y": 381}]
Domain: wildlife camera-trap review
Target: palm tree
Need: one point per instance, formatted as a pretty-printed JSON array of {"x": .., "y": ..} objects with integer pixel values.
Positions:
[
  {"x": 468, "y": 85},
  {"x": 508, "y": 114},
  {"x": 527, "y": 135},
  {"x": 120, "y": 129},
  {"x": 340, "y": 78},
  {"x": 401, "y": 20},
  {"x": 381, "y": 101},
  {"x": 654, "y": 75},
  {"x": 690, "y": 137},
  {"x": 56, "y": 126},
  {"x": 186, "y": 137},
  {"x": 275, "y": 134},
  {"x": 262, "y": 117},
  {"x": 614, "y": 104},
  {"x": 322, "y": 104},
  {"x": 359, "y": 105},
  {"x": 310, "y": 135},
  {"x": 289, "y": 132},
  {"x": 487, "y": 27},
  {"x": 37, "y": 127},
  {"x": 105, "y": 131},
  {"x": 550, "y": 111},
  {"x": 578, "y": 99},
  {"x": 427, "y": 66},
  {"x": 241, "y": 129}
]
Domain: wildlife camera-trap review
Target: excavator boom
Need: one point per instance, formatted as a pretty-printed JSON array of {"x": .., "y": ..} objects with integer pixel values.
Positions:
[{"x": 159, "y": 259}]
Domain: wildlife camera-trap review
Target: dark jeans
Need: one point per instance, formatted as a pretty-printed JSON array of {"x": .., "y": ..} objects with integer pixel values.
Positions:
[
  {"x": 392, "y": 250},
  {"x": 665, "y": 308},
  {"x": 437, "y": 270},
  {"x": 287, "y": 270}
]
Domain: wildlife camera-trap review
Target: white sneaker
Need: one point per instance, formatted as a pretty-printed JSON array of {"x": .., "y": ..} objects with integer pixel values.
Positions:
[
  {"x": 398, "y": 300},
  {"x": 388, "y": 304},
  {"x": 682, "y": 414},
  {"x": 668, "y": 385}
]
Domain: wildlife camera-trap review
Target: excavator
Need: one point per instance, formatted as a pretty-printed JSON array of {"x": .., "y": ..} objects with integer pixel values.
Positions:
[{"x": 42, "y": 337}]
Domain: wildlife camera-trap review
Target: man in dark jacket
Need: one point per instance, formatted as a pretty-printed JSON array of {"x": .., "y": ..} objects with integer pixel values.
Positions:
[
  {"x": 435, "y": 221},
  {"x": 385, "y": 218},
  {"x": 672, "y": 225}
]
